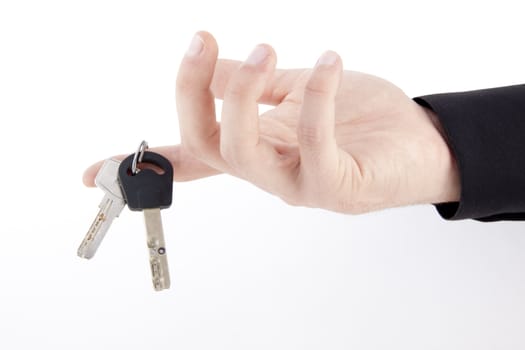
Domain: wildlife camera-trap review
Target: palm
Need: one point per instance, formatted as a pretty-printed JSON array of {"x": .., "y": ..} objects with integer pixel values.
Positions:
[{"x": 374, "y": 123}]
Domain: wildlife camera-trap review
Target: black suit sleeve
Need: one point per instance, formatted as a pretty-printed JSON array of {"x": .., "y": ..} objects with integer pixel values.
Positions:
[{"x": 485, "y": 130}]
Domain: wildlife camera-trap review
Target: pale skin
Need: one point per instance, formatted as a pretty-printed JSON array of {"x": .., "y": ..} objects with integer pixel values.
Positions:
[{"x": 336, "y": 139}]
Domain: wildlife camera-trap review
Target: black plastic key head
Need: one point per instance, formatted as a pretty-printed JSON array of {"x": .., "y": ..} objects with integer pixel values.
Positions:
[{"x": 147, "y": 189}]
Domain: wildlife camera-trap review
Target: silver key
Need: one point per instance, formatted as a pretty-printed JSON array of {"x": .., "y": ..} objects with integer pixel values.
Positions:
[{"x": 110, "y": 207}]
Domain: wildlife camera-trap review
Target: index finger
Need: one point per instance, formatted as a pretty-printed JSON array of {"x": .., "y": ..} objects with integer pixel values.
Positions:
[{"x": 185, "y": 166}]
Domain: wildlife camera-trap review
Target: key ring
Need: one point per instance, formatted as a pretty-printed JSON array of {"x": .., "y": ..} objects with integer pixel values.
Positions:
[{"x": 137, "y": 158}]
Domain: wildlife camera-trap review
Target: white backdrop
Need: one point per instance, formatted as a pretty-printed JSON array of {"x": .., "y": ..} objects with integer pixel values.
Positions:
[{"x": 80, "y": 81}]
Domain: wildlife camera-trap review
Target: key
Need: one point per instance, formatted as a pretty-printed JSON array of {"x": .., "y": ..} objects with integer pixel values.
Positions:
[
  {"x": 149, "y": 190},
  {"x": 110, "y": 207}
]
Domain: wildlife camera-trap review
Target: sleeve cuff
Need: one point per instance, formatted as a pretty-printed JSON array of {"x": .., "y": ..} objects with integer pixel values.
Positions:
[{"x": 485, "y": 130}]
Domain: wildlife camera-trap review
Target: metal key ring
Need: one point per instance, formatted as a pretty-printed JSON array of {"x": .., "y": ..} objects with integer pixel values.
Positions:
[{"x": 137, "y": 158}]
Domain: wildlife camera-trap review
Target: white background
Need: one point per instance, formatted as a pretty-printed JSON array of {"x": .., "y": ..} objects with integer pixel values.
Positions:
[{"x": 81, "y": 81}]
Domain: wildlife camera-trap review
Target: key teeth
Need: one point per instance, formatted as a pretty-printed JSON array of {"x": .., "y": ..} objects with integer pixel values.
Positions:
[{"x": 160, "y": 282}]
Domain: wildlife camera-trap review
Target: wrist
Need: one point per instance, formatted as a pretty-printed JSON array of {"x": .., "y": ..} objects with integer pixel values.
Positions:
[{"x": 448, "y": 185}]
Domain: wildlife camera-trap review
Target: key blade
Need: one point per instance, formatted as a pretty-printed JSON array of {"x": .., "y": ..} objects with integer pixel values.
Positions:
[
  {"x": 109, "y": 210},
  {"x": 157, "y": 249},
  {"x": 110, "y": 207}
]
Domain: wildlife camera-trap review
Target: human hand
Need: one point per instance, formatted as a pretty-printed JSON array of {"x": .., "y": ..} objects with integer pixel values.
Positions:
[{"x": 340, "y": 140}]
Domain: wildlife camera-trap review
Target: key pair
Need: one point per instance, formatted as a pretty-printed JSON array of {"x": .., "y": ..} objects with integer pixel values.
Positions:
[{"x": 144, "y": 182}]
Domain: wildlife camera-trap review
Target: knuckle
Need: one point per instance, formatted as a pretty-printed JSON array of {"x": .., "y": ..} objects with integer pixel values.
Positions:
[
  {"x": 200, "y": 145},
  {"x": 196, "y": 147},
  {"x": 188, "y": 85},
  {"x": 309, "y": 135},
  {"x": 243, "y": 83},
  {"x": 315, "y": 88},
  {"x": 234, "y": 156},
  {"x": 319, "y": 84},
  {"x": 236, "y": 90}
]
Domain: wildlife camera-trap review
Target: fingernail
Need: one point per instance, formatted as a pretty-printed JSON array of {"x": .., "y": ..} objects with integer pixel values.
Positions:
[
  {"x": 327, "y": 59},
  {"x": 258, "y": 55},
  {"x": 196, "y": 46}
]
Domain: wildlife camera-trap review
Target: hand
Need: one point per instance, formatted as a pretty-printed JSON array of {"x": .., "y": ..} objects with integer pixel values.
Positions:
[{"x": 340, "y": 140}]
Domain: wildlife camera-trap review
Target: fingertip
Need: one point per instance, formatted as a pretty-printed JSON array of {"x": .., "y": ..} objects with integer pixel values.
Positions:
[
  {"x": 263, "y": 56},
  {"x": 197, "y": 66},
  {"x": 202, "y": 45},
  {"x": 248, "y": 81},
  {"x": 88, "y": 177},
  {"x": 325, "y": 77},
  {"x": 328, "y": 59},
  {"x": 207, "y": 37}
]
